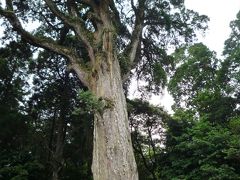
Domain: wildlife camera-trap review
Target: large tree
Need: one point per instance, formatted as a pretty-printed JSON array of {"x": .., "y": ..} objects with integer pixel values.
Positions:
[{"x": 102, "y": 41}]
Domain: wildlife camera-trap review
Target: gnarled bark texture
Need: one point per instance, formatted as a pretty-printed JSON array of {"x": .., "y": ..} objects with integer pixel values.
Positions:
[{"x": 113, "y": 157}]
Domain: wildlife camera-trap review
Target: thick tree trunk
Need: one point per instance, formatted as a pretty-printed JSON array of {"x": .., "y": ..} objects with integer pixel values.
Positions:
[{"x": 113, "y": 157}]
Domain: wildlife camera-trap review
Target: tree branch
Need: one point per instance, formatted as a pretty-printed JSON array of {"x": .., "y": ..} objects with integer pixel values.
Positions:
[
  {"x": 135, "y": 41},
  {"x": 121, "y": 28},
  {"x": 45, "y": 43},
  {"x": 75, "y": 22},
  {"x": 72, "y": 8},
  {"x": 89, "y": 2},
  {"x": 54, "y": 9}
]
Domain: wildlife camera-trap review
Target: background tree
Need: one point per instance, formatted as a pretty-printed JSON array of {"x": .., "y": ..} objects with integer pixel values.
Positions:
[
  {"x": 52, "y": 106},
  {"x": 200, "y": 150},
  {"x": 147, "y": 124},
  {"x": 229, "y": 74},
  {"x": 196, "y": 84},
  {"x": 196, "y": 73},
  {"x": 201, "y": 139},
  {"x": 17, "y": 159},
  {"x": 37, "y": 134}
]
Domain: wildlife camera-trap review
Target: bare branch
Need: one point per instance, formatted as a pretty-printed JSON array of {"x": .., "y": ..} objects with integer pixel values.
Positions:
[
  {"x": 133, "y": 6},
  {"x": 82, "y": 74}
]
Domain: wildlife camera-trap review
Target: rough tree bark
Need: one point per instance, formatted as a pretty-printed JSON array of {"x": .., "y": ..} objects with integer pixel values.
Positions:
[{"x": 113, "y": 156}]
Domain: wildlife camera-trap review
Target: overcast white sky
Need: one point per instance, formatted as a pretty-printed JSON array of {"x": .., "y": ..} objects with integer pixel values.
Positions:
[{"x": 220, "y": 12}]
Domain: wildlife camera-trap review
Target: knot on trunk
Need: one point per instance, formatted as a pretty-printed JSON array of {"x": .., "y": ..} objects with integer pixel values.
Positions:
[{"x": 106, "y": 103}]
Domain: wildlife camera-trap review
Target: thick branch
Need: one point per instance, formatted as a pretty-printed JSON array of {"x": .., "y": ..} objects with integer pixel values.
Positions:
[
  {"x": 135, "y": 41},
  {"x": 45, "y": 43},
  {"x": 120, "y": 27},
  {"x": 80, "y": 72},
  {"x": 75, "y": 22},
  {"x": 52, "y": 6}
]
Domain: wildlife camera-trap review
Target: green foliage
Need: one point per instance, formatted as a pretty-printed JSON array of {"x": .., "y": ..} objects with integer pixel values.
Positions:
[
  {"x": 234, "y": 124},
  {"x": 74, "y": 172},
  {"x": 159, "y": 76},
  {"x": 166, "y": 24},
  {"x": 230, "y": 73},
  {"x": 28, "y": 124},
  {"x": 202, "y": 151},
  {"x": 232, "y": 43},
  {"x": 196, "y": 72},
  {"x": 16, "y": 160},
  {"x": 203, "y": 137},
  {"x": 19, "y": 166},
  {"x": 147, "y": 123},
  {"x": 13, "y": 65},
  {"x": 214, "y": 106},
  {"x": 53, "y": 105},
  {"x": 91, "y": 104}
]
